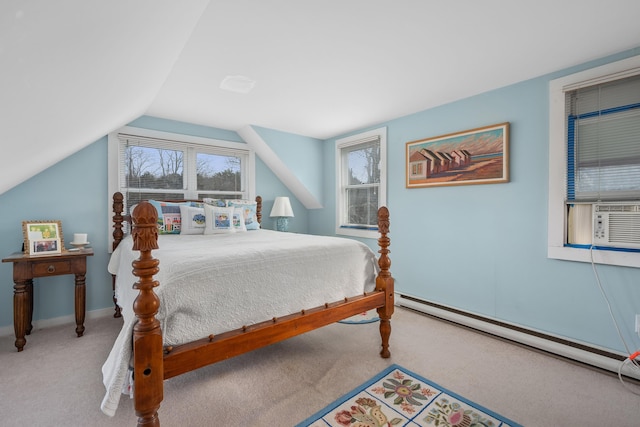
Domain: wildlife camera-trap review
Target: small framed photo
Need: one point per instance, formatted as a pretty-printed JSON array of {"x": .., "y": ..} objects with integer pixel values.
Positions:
[{"x": 42, "y": 237}]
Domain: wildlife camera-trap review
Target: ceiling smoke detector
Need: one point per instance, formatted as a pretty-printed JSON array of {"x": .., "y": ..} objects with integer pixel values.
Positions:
[{"x": 238, "y": 84}]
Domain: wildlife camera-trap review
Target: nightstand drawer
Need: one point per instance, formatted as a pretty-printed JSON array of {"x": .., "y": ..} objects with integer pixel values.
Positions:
[{"x": 51, "y": 268}]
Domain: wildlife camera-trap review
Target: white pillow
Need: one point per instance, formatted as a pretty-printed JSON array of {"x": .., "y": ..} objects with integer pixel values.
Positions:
[
  {"x": 218, "y": 220},
  {"x": 193, "y": 220},
  {"x": 238, "y": 219},
  {"x": 249, "y": 209}
]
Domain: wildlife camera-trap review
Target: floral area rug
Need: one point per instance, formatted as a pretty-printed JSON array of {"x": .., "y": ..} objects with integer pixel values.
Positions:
[
  {"x": 399, "y": 397},
  {"x": 364, "y": 317}
]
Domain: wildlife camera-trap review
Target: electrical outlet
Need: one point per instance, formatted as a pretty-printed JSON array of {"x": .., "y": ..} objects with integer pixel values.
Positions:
[{"x": 638, "y": 324}]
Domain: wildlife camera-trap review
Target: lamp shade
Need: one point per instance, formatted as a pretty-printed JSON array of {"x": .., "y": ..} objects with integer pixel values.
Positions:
[{"x": 281, "y": 207}]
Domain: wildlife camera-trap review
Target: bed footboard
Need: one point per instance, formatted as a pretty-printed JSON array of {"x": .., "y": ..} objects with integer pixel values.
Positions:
[{"x": 153, "y": 364}]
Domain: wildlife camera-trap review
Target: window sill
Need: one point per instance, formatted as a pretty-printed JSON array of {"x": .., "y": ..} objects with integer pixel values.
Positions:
[
  {"x": 358, "y": 232},
  {"x": 609, "y": 257}
]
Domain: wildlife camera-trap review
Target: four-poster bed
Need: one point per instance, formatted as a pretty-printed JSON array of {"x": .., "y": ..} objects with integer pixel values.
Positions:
[{"x": 153, "y": 360}]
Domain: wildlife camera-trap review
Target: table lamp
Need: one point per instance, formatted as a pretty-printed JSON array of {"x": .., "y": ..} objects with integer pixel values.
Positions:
[{"x": 282, "y": 210}]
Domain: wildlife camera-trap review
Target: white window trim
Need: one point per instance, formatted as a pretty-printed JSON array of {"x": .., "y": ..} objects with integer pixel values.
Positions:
[
  {"x": 382, "y": 189},
  {"x": 558, "y": 163},
  {"x": 113, "y": 159}
]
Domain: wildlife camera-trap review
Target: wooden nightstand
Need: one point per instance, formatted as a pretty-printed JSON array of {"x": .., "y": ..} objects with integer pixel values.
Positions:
[{"x": 26, "y": 268}]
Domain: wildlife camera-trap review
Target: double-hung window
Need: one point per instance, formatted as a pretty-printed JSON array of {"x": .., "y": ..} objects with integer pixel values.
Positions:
[
  {"x": 157, "y": 165},
  {"x": 603, "y": 141},
  {"x": 361, "y": 182},
  {"x": 594, "y": 155}
]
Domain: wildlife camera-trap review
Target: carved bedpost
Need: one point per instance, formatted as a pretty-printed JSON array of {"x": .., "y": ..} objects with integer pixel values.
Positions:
[
  {"x": 147, "y": 335},
  {"x": 384, "y": 281},
  {"x": 118, "y": 219},
  {"x": 259, "y": 209},
  {"x": 118, "y": 234}
]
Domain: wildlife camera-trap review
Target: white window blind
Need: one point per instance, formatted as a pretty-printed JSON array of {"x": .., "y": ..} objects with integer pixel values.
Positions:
[
  {"x": 152, "y": 164},
  {"x": 603, "y": 141}
]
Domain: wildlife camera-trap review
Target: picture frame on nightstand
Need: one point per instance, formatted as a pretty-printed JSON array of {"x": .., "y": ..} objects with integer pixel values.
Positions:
[{"x": 42, "y": 237}]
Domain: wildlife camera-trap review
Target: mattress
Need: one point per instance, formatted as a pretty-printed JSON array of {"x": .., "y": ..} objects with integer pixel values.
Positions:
[{"x": 215, "y": 283}]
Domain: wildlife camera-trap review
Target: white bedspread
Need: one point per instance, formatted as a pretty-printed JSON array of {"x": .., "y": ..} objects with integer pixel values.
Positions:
[{"x": 242, "y": 278}]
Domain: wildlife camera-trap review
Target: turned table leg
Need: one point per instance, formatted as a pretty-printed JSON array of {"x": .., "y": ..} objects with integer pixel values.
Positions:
[
  {"x": 29, "y": 289},
  {"x": 20, "y": 311},
  {"x": 80, "y": 303}
]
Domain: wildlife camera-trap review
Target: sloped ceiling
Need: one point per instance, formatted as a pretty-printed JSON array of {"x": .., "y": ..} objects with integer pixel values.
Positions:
[{"x": 74, "y": 70}]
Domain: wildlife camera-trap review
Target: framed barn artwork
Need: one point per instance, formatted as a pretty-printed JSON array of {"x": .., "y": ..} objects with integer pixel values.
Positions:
[{"x": 475, "y": 156}]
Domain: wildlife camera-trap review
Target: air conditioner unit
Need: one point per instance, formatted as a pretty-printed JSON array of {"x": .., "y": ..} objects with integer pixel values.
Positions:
[{"x": 616, "y": 225}]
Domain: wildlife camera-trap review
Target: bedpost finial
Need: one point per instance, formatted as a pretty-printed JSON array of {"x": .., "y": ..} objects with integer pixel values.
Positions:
[
  {"x": 145, "y": 227},
  {"x": 383, "y": 220}
]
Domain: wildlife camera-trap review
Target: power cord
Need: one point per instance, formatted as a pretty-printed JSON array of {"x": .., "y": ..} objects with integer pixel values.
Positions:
[{"x": 632, "y": 357}]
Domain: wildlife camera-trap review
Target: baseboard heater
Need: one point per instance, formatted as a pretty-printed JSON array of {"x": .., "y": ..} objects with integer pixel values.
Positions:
[{"x": 572, "y": 350}]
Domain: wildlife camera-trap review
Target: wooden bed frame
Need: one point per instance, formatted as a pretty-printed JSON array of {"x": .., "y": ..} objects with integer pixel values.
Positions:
[{"x": 153, "y": 363}]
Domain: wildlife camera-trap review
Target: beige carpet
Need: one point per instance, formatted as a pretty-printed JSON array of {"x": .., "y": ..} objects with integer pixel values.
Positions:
[{"x": 56, "y": 380}]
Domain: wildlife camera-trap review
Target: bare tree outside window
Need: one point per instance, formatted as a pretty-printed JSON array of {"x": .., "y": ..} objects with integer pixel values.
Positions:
[
  {"x": 363, "y": 181},
  {"x": 154, "y": 168},
  {"x": 218, "y": 173},
  {"x": 171, "y": 166}
]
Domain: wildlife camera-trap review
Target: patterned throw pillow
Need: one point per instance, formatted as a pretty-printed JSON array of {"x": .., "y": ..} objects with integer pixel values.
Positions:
[
  {"x": 218, "y": 220},
  {"x": 249, "y": 210},
  {"x": 238, "y": 219},
  {"x": 221, "y": 203},
  {"x": 193, "y": 220},
  {"x": 169, "y": 219}
]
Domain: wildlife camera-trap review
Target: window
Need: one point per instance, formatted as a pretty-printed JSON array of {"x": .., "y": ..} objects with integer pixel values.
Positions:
[
  {"x": 147, "y": 164},
  {"x": 603, "y": 141},
  {"x": 361, "y": 181},
  {"x": 594, "y": 155}
]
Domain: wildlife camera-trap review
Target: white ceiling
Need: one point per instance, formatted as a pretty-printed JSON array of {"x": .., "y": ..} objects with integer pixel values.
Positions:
[{"x": 74, "y": 70}]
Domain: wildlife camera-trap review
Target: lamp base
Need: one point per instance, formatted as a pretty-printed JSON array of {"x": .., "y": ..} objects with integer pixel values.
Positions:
[{"x": 282, "y": 223}]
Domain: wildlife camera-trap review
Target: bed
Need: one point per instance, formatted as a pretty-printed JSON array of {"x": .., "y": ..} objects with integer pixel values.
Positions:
[{"x": 200, "y": 299}]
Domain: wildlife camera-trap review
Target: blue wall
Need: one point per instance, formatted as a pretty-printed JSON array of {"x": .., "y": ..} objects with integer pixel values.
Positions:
[
  {"x": 73, "y": 191},
  {"x": 302, "y": 155},
  {"x": 483, "y": 248},
  {"x": 480, "y": 248}
]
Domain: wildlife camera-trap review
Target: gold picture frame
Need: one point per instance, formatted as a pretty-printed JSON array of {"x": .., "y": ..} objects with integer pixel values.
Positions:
[
  {"x": 475, "y": 156},
  {"x": 42, "y": 237}
]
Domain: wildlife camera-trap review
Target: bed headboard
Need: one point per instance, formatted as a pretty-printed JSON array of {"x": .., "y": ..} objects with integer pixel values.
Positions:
[{"x": 120, "y": 218}]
